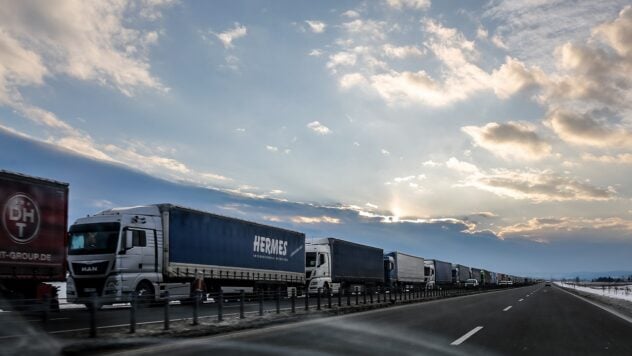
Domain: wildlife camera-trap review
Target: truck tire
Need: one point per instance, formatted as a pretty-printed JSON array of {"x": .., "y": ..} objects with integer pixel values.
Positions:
[{"x": 145, "y": 293}]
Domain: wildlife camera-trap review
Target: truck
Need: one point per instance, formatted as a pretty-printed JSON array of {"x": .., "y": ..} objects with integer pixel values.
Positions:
[
  {"x": 486, "y": 278},
  {"x": 460, "y": 274},
  {"x": 32, "y": 238},
  {"x": 437, "y": 273},
  {"x": 334, "y": 265},
  {"x": 153, "y": 249},
  {"x": 476, "y": 274},
  {"x": 402, "y": 270}
]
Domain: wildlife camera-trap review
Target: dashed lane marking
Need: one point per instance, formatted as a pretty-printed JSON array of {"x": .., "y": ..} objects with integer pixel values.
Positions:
[
  {"x": 460, "y": 340},
  {"x": 509, "y": 307}
]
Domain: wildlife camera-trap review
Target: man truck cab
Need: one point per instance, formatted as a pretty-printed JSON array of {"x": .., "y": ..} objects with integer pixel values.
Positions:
[{"x": 318, "y": 269}]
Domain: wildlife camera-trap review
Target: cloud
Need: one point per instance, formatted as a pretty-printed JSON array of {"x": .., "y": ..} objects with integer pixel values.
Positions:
[
  {"x": 430, "y": 163},
  {"x": 401, "y": 52},
  {"x": 227, "y": 37},
  {"x": 316, "y": 26},
  {"x": 319, "y": 128},
  {"x": 535, "y": 185},
  {"x": 272, "y": 148},
  {"x": 315, "y": 220},
  {"x": 550, "y": 228},
  {"x": 368, "y": 29},
  {"x": 461, "y": 166},
  {"x": 341, "y": 59},
  {"x": 100, "y": 44},
  {"x": 351, "y": 80},
  {"x": 588, "y": 129},
  {"x": 351, "y": 14},
  {"x": 513, "y": 76},
  {"x": 315, "y": 53},
  {"x": 385, "y": 152},
  {"x": 510, "y": 140},
  {"x": 413, "y": 4},
  {"x": 622, "y": 158}
]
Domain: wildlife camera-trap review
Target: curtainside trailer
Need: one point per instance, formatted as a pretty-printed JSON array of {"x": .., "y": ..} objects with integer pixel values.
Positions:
[
  {"x": 476, "y": 274},
  {"x": 334, "y": 265},
  {"x": 460, "y": 274},
  {"x": 162, "y": 248},
  {"x": 404, "y": 270}
]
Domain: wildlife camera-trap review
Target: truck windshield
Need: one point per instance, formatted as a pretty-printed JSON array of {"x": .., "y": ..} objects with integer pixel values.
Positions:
[
  {"x": 88, "y": 239},
  {"x": 310, "y": 259}
]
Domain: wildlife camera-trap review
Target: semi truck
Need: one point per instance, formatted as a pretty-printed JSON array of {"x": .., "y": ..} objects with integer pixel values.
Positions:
[
  {"x": 437, "y": 273},
  {"x": 334, "y": 265},
  {"x": 402, "y": 270},
  {"x": 32, "y": 237},
  {"x": 460, "y": 274},
  {"x": 153, "y": 249},
  {"x": 476, "y": 274}
]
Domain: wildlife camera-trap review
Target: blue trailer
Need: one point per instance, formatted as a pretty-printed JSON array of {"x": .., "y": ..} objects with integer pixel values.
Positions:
[{"x": 154, "y": 249}]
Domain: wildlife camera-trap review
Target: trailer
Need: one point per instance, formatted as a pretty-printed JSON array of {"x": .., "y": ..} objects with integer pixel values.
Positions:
[
  {"x": 460, "y": 274},
  {"x": 437, "y": 273},
  {"x": 334, "y": 265},
  {"x": 476, "y": 274},
  {"x": 401, "y": 269},
  {"x": 162, "y": 248},
  {"x": 32, "y": 236}
]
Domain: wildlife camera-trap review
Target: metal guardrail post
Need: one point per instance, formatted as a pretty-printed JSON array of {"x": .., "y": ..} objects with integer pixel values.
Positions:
[
  {"x": 364, "y": 295},
  {"x": 242, "y": 296},
  {"x": 93, "y": 316},
  {"x": 329, "y": 298},
  {"x": 318, "y": 299},
  {"x": 261, "y": 303},
  {"x": 278, "y": 300},
  {"x": 220, "y": 306},
  {"x": 371, "y": 295},
  {"x": 166, "y": 310},
  {"x": 348, "y": 292},
  {"x": 339, "y": 297},
  {"x": 293, "y": 300},
  {"x": 132, "y": 313},
  {"x": 45, "y": 308},
  {"x": 306, "y": 298}
]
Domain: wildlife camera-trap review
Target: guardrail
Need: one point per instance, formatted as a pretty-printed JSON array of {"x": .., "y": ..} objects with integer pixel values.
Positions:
[{"x": 256, "y": 304}]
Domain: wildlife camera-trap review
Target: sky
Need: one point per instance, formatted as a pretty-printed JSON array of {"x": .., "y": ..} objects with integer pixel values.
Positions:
[{"x": 436, "y": 127}]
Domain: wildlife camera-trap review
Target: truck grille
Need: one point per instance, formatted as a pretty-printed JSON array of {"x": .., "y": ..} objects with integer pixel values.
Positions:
[
  {"x": 98, "y": 268},
  {"x": 87, "y": 287}
]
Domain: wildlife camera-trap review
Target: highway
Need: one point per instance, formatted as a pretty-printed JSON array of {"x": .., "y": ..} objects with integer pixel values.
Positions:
[{"x": 536, "y": 320}]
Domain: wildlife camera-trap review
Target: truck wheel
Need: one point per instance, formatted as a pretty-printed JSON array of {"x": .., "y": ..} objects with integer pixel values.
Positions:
[{"x": 145, "y": 293}]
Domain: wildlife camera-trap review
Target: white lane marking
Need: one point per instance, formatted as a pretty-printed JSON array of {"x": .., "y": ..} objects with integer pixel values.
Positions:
[
  {"x": 509, "y": 307},
  {"x": 520, "y": 300},
  {"x": 460, "y": 340}
]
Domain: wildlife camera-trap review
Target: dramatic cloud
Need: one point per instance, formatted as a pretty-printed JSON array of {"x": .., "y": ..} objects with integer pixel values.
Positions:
[
  {"x": 513, "y": 77},
  {"x": 316, "y": 26},
  {"x": 342, "y": 59},
  {"x": 510, "y": 140},
  {"x": 351, "y": 80},
  {"x": 319, "y": 128},
  {"x": 227, "y": 37}
]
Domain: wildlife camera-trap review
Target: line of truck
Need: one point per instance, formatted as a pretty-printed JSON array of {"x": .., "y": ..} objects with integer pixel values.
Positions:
[{"x": 152, "y": 250}]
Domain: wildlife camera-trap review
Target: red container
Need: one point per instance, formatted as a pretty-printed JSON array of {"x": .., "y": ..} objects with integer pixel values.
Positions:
[{"x": 33, "y": 225}]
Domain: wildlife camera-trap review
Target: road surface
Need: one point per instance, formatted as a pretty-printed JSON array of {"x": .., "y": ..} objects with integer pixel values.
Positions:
[{"x": 536, "y": 320}]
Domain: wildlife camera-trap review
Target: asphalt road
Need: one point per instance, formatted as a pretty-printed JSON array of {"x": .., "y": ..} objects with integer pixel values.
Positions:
[{"x": 535, "y": 320}]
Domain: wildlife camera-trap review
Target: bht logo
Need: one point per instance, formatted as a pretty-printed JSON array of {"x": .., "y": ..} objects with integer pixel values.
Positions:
[{"x": 21, "y": 218}]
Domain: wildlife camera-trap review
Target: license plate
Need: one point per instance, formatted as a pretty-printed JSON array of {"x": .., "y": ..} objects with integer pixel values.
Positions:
[{"x": 88, "y": 290}]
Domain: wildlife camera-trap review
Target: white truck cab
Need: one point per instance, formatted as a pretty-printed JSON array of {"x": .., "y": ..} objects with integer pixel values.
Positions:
[
  {"x": 116, "y": 252},
  {"x": 318, "y": 268},
  {"x": 429, "y": 274}
]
